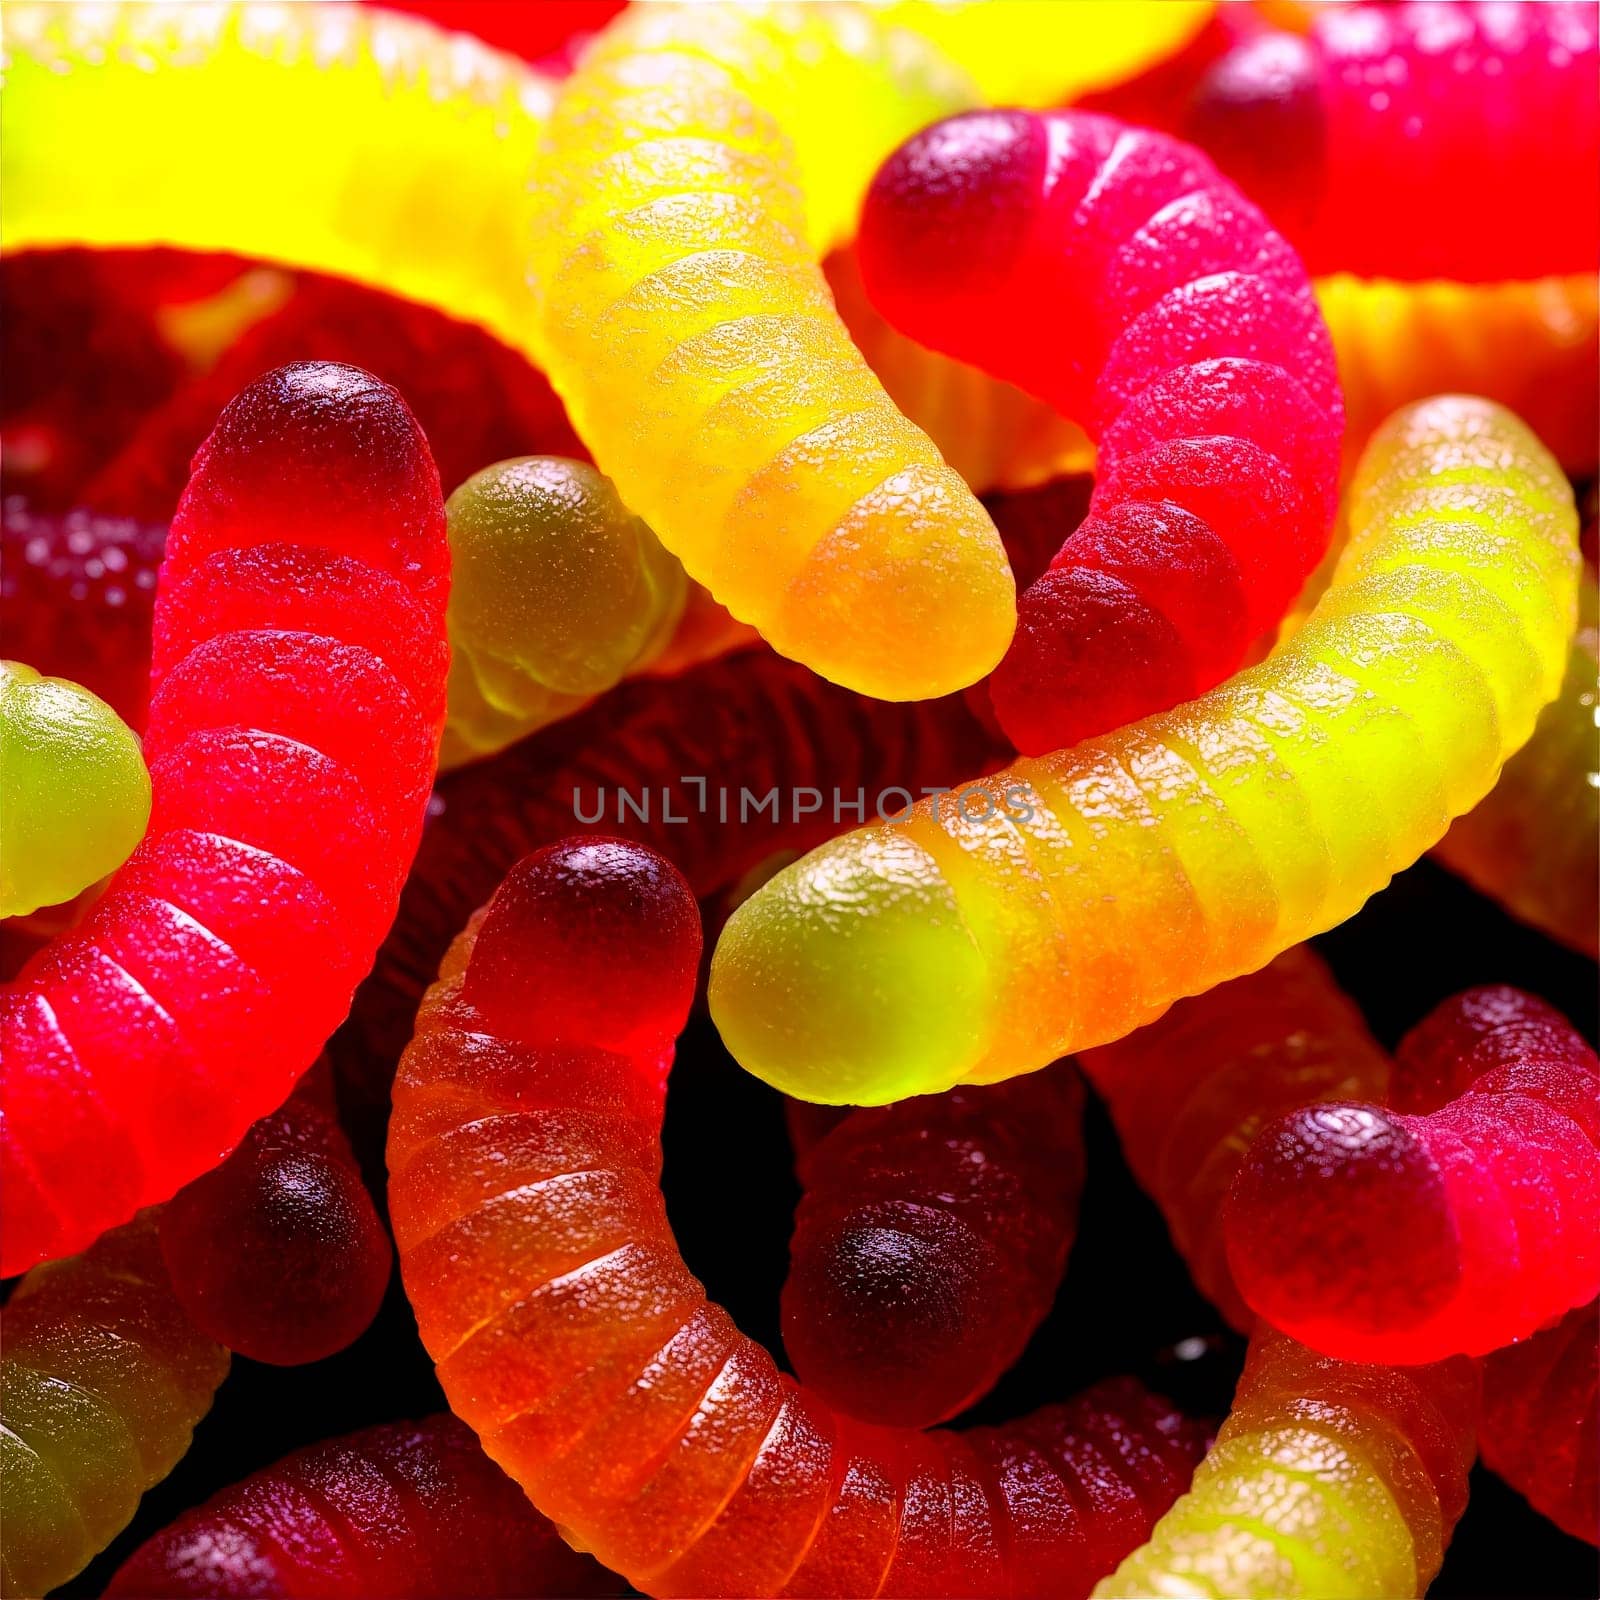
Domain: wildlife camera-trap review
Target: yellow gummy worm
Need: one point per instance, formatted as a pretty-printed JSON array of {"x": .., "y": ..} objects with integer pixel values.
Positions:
[
  {"x": 692, "y": 172},
  {"x": 335, "y": 137},
  {"x": 1068, "y": 899},
  {"x": 104, "y": 1379},
  {"x": 1329, "y": 1479}
]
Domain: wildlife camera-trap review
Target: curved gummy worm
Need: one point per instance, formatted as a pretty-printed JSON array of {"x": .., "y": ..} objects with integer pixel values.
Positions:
[
  {"x": 102, "y": 1382},
  {"x": 336, "y": 137},
  {"x": 1532, "y": 347},
  {"x": 717, "y": 770},
  {"x": 1533, "y": 842},
  {"x": 1197, "y": 361},
  {"x": 1189, "y": 1091},
  {"x": 278, "y": 1253},
  {"x": 78, "y": 592},
  {"x": 74, "y": 793},
  {"x": 688, "y": 174},
  {"x": 1541, "y": 1421},
  {"x": 1328, "y": 1478},
  {"x": 557, "y": 591},
  {"x": 929, "y": 1243},
  {"x": 298, "y": 694},
  {"x": 1489, "y": 1148},
  {"x": 524, "y": 1160},
  {"x": 1419, "y": 140},
  {"x": 412, "y": 1510},
  {"x": 1099, "y": 884}
]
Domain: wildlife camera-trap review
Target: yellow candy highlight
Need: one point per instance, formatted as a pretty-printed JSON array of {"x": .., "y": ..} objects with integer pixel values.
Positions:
[
  {"x": 1533, "y": 843},
  {"x": 1074, "y": 897},
  {"x": 1023, "y": 53},
  {"x": 1329, "y": 1480},
  {"x": 334, "y": 137},
  {"x": 690, "y": 173},
  {"x": 74, "y": 793},
  {"x": 101, "y": 1384}
]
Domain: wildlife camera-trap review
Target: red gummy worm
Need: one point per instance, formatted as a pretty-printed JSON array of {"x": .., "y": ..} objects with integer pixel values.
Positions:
[
  {"x": 929, "y": 1243},
  {"x": 670, "y": 764},
  {"x": 409, "y": 1511},
  {"x": 524, "y": 1186},
  {"x": 1454, "y": 140},
  {"x": 298, "y": 692},
  {"x": 279, "y": 1253},
  {"x": 78, "y": 592},
  {"x": 1541, "y": 1421},
  {"x": 1115, "y": 273},
  {"x": 1462, "y": 1217}
]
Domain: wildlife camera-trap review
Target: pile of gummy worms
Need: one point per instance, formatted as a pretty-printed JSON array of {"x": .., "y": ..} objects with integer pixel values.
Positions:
[{"x": 953, "y": 544}]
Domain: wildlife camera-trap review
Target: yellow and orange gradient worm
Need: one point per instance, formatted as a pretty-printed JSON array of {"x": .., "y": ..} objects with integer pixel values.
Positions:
[{"x": 1077, "y": 895}]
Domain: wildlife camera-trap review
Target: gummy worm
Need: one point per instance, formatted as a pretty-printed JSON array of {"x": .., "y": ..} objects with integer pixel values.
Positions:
[
  {"x": 299, "y": 666},
  {"x": 1541, "y": 1421},
  {"x": 1488, "y": 1146},
  {"x": 1417, "y": 141},
  {"x": 929, "y": 1243},
  {"x": 1098, "y": 885},
  {"x": 74, "y": 793},
  {"x": 278, "y": 1252},
  {"x": 1328, "y": 1478},
  {"x": 1189, "y": 1091},
  {"x": 104, "y": 1379},
  {"x": 524, "y": 1161},
  {"x": 409, "y": 1510},
  {"x": 1198, "y": 362},
  {"x": 99, "y": 146}
]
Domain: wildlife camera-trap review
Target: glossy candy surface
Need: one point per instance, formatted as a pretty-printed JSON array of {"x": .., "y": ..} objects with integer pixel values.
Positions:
[
  {"x": 340, "y": 138},
  {"x": 74, "y": 793},
  {"x": 689, "y": 176},
  {"x": 1196, "y": 359},
  {"x": 408, "y": 1511},
  {"x": 524, "y": 1165},
  {"x": 299, "y": 689},
  {"x": 104, "y": 1379},
  {"x": 278, "y": 1253},
  {"x": 1488, "y": 1147},
  {"x": 557, "y": 591},
  {"x": 1442, "y": 140},
  {"x": 1533, "y": 842},
  {"x": 929, "y": 1243},
  {"x": 78, "y": 591},
  {"x": 1189, "y": 1092},
  {"x": 1541, "y": 1421},
  {"x": 1110, "y": 879},
  {"x": 1328, "y": 1479}
]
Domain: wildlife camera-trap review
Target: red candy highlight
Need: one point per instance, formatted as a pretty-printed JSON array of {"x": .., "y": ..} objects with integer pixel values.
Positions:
[
  {"x": 1461, "y": 1217},
  {"x": 1541, "y": 1421},
  {"x": 409, "y": 1510},
  {"x": 1454, "y": 139},
  {"x": 1195, "y": 356},
  {"x": 297, "y": 696},
  {"x": 929, "y": 1243}
]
